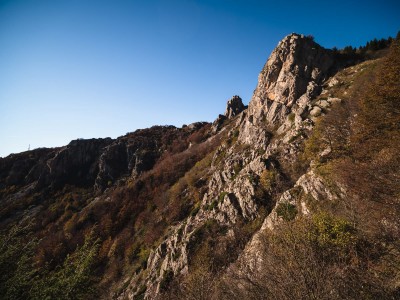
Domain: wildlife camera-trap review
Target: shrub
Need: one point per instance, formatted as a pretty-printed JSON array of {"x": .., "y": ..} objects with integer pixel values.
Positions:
[
  {"x": 143, "y": 255},
  {"x": 237, "y": 167},
  {"x": 166, "y": 280},
  {"x": 16, "y": 265},
  {"x": 195, "y": 210},
  {"x": 222, "y": 196},
  {"x": 296, "y": 263},
  {"x": 212, "y": 205},
  {"x": 291, "y": 117},
  {"x": 286, "y": 211},
  {"x": 331, "y": 232},
  {"x": 268, "y": 179}
]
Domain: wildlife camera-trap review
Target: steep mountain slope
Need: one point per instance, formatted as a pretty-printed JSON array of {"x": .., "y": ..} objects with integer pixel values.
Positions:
[
  {"x": 245, "y": 168},
  {"x": 296, "y": 196}
]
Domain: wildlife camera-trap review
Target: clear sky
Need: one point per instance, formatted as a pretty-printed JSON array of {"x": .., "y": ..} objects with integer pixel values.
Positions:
[{"x": 80, "y": 69}]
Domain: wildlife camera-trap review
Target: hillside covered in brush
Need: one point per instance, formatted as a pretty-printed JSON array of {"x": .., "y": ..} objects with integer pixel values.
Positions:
[{"x": 296, "y": 196}]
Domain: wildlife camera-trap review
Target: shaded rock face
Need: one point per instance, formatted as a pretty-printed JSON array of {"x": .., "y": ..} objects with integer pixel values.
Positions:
[
  {"x": 127, "y": 156},
  {"x": 25, "y": 167},
  {"x": 218, "y": 123},
  {"x": 91, "y": 162},
  {"x": 74, "y": 164},
  {"x": 292, "y": 75}
]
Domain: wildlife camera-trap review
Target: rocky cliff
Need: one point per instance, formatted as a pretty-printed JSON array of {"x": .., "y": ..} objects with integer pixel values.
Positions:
[
  {"x": 93, "y": 162},
  {"x": 291, "y": 77}
]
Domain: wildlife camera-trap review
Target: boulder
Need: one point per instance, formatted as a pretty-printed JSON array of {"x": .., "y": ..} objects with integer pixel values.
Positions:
[{"x": 316, "y": 111}]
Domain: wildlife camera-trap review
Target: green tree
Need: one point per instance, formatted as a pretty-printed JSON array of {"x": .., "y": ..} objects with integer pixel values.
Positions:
[
  {"x": 73, "y": 279},
  {"x": 16, "y": 265}
]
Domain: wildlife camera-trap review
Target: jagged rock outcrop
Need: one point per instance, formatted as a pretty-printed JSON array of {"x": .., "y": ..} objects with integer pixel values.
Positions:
[
  {"x": 218, "y": 123},
  {"x": 291, "y": 77},
  {"x": 24, "y": 168},
  {"x": 234, "y": 107},
  {"x": 311, "y": 187}
]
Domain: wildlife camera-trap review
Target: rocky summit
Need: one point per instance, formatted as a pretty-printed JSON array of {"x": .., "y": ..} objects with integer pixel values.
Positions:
[
  {"x": 291, "y": 77},
  {"x": 295, "y": 196}
]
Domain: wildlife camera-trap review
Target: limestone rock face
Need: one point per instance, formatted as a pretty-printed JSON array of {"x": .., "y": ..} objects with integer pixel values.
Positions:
[
  {"x": 218, "y": 123},
  {"x": 234, "y": 107},
  {"x": 292, "y": 75}
]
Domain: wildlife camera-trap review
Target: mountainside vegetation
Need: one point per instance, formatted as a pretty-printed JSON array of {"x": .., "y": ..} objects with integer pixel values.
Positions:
[{"x": 298, "y": 201}]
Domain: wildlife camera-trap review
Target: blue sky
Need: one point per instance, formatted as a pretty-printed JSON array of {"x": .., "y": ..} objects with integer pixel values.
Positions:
[{"x": 82, "y": 69}]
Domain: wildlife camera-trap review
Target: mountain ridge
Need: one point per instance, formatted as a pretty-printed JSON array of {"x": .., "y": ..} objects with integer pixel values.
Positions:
[{"x": 171, "y": 206}]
